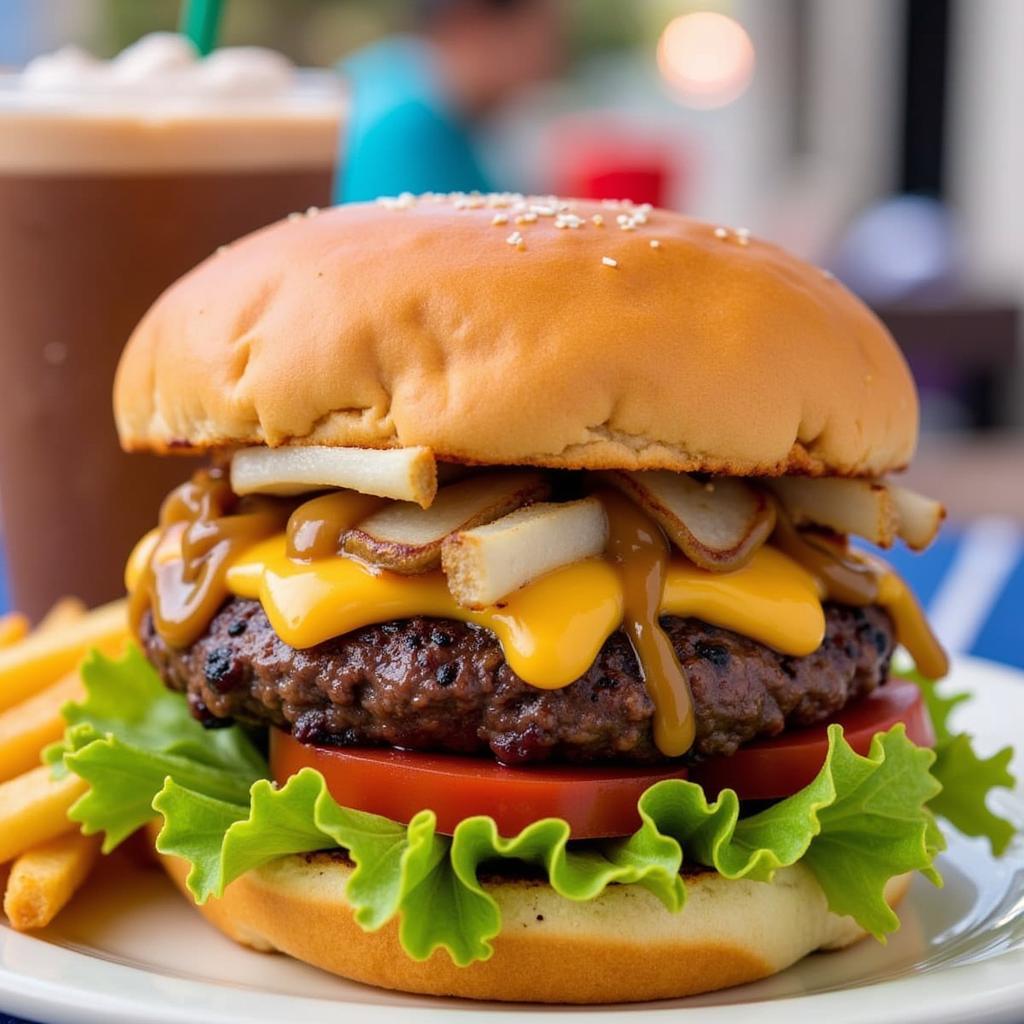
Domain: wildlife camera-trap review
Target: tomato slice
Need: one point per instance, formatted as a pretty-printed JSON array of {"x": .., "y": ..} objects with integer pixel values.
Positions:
[
  {"x": 597, "y": 802},
  {"x": 778, "y": 767}
]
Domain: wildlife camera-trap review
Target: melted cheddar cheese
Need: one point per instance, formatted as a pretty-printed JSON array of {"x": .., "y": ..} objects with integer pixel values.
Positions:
[{"x": 551, "y": 630}]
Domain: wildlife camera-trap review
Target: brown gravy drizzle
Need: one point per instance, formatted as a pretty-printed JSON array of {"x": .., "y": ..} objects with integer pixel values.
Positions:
[
  {"x": 854, "y": 581},
  {"x": 316, "y": 527},
  {"x": 215, "y": 527},
  {"x": 640, "y": 552},
  {"x": 846, "y": 579}
]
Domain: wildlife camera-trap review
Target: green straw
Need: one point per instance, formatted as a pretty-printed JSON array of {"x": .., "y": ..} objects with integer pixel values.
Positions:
[{"x": 200, "y": 21}]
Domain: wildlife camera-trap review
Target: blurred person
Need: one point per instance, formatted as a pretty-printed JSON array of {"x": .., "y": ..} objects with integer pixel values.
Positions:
[{"x": 417, "y": 98}]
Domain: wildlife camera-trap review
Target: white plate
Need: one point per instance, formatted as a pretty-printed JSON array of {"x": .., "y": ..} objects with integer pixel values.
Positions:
[{"x": 130, "y": 950}]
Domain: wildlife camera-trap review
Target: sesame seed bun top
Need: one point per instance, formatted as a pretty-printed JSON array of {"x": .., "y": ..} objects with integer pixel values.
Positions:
[{"x": 498, "y": 329}]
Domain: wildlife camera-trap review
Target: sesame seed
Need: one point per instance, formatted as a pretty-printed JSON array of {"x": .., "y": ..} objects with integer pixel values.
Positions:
[
  {"x": 828, "y": 275},
  {"x": 516, "y": 239},
  {"x": 655, "y": 244},
  {"x": 598, "y": 220},
  {"x": 499, "y": 218},
  {"x": 608, "y": 261},
  {"x": 221, "y": 249},
  {"x": 721, "y": 233},
  {"x": 743, "y": 232},
  {"x": 526, "y": 218},
  {"x": 543, "y": 211},
  {"x": 403, "y": 202},
  {"x": 743, "y": 240},
  {"x": 295, "y": 216},
  {"x": 312, "y": 211}
]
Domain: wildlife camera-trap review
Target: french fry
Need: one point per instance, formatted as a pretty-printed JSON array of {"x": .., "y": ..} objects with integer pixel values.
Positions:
[
  {"x": 45, "y": 657},
  {"x": 486, "y": 563},
  {"x": 861, "y": 507},
  {"x": 34, "y": 809},
  {"x": 43, "y": 879},
  {"x": 27, "y": 727},
  {"x": 13, "y": 627},
  {"x": 919, "y": 517},
  {"x": 409, "y": 474},
  {"x": 63, "y": 612}
]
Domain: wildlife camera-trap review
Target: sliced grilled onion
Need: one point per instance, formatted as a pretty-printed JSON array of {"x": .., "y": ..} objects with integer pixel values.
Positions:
[
  {"x": 487, "y": 563},
  {"x": 861, "y": 507},
  {"x": 718, "y": 525},
  {"x": 405, "y": 538},
  {"x": 408, "y": 474}
]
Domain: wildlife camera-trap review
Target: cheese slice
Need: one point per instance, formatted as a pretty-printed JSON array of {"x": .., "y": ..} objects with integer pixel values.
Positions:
[{"x": 551, "y": 630}]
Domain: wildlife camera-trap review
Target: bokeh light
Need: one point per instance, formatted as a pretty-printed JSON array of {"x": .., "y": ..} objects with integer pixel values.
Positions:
[{"x": 706, "y": 58}]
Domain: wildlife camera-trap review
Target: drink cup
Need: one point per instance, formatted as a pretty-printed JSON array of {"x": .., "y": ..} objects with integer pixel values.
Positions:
[{"x": 115, "y": 178}]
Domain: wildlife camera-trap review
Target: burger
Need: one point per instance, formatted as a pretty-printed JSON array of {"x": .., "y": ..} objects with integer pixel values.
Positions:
[{"x": 512, "y": 643}]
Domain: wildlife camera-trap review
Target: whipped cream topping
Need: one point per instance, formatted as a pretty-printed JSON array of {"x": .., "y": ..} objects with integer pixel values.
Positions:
[{"x": 162, "y": 65}]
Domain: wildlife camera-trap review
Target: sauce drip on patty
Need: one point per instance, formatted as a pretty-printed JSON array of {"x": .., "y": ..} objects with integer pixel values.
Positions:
[
  {"x": 211, "y": 527},
  {"x": 640, "y": 552}
]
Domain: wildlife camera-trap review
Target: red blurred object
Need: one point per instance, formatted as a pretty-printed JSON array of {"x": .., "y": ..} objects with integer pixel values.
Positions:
[{"x": 608, "y": 160}]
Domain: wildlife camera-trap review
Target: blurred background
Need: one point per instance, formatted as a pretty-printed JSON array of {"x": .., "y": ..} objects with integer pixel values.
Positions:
[{"x": 882, "y": 139}]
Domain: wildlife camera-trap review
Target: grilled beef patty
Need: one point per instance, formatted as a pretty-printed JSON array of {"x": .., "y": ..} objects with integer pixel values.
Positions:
[{"x": 440, "y": 685}]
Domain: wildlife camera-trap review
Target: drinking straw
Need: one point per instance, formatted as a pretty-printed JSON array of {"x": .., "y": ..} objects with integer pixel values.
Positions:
[{"x": 200, "y": 21}]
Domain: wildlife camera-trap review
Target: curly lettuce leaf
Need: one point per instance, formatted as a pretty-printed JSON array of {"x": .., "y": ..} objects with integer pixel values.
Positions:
[
  {"x": 130, "y": 734},
  {"x": 967, "y": 780},
  {"x": 885, "y": 796},
  {"x": 859, "y": 823}
]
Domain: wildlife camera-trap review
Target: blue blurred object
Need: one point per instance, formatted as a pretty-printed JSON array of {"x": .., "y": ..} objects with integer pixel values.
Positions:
[
  {"x": 5, "y": 594},
  {"x": 905, "y": 249},
  {"x": 403, "y": 134}
]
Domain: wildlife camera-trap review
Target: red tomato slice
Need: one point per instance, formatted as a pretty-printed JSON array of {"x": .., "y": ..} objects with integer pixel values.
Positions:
[
  {"x": 770, "y": 769},
  {"x": 596, "y": 802}
]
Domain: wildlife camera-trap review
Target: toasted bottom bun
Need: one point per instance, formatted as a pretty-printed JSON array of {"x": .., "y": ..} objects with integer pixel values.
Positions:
[{"x": 623, "y": 946}]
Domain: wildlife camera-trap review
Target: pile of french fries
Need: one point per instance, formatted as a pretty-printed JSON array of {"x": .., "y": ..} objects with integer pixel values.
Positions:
[{"x": 45, "y": 857}]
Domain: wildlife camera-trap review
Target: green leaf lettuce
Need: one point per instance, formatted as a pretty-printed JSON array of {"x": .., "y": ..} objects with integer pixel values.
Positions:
[{"x": 967, "y": 780}]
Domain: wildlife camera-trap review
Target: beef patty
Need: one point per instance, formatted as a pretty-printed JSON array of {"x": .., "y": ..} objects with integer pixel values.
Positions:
[{"x": 440, "y": 685}]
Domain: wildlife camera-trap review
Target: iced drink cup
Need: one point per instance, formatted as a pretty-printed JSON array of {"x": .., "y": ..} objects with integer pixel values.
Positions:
[{"x": 115, "y": 178}]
